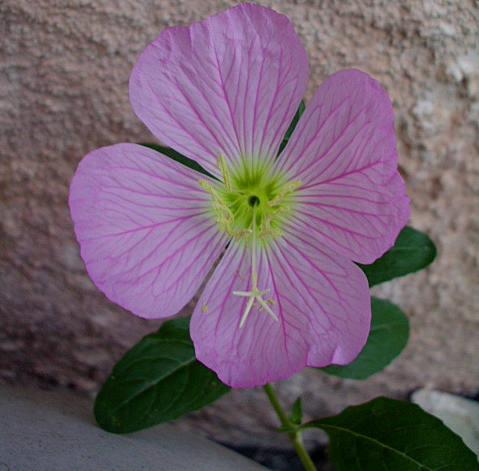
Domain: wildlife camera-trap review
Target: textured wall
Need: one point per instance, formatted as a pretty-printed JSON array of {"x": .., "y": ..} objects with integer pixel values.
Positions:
[{"x": 64, "y": 75}]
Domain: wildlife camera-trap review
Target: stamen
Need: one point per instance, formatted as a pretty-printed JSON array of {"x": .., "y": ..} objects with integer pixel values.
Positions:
[
  {"x": 285, "y": 191},
  {"x": 224, "y": 216},
  {"x": 210, "y": 189},
  {"x": 221, "y": 164}
]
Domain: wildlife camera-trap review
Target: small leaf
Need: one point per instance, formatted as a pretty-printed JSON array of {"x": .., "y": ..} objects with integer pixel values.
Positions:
[
  {"x": 412, "y": 252},
  {"x": 387, "y": 338},
  {"x": 385, "y": 435},
  {"x": 177, "y": 157},
  {"x": 285, "y": 429},
  {"x": 296, "y": 415},
  {"x": 293, "y": 124},
  {"x": 158, "y": 380}
]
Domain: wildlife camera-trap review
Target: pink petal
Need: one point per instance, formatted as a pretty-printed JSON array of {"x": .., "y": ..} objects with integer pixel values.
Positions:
[
  {"x": 229, "y": 85},
  {"x": 322, "y": 303},
  {"x": 332, "y": 294},
  {"x": 344, "y": 152},
  {"x": 142, "y": 220}
]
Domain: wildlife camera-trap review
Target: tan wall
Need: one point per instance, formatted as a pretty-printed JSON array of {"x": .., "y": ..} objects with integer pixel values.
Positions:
[{"x": 63, "y": 91}]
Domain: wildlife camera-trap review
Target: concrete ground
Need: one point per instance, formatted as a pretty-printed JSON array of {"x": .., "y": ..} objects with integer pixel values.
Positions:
[{"x": 50, "y": 431}]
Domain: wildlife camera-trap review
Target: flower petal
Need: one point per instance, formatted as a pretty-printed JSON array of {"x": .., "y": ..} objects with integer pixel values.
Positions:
[
  {"x": 228, "y": 85},
  {"x": 322, "y": 303},
  {"x": 146, "y": 236},
  {"x": 344, "y": 152},
  {"x": 327, "y": 295}
]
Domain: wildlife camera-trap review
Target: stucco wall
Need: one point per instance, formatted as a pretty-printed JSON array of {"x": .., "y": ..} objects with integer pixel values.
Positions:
[{"x": 64, "y": 75}]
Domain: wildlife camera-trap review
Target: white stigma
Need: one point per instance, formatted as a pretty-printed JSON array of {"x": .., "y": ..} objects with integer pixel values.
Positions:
[{"x": 255, "y": 294}]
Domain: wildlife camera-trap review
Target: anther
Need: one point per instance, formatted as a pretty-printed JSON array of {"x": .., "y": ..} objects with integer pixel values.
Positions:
[
  {"x": 224, "y": 216},
  {"x": 285, "y": 191},
  {"x": 221, "y": 164}
]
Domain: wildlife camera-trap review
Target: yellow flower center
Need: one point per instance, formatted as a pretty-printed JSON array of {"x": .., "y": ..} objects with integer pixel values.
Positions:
[{"x": 251, "y": 205}]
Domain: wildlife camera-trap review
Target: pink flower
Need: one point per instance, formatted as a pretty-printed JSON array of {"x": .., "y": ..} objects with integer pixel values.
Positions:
[{"x": 286, "y": 293}]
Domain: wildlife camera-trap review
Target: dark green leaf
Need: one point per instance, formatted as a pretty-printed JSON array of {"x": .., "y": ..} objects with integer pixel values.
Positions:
[
  {"x": 296, "y": 415},
  {"x": 293, "y": 124},
  {"x": 177, "y": 157},
  {"x": 387, "y": 338},
  {"x": 158, "y": 380},
  {"x": 390, "y": 435},
  {"x": 412, "y": 252}
]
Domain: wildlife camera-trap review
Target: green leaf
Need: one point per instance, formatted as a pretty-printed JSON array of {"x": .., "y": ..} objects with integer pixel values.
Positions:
[
  {"x": 286, "y": 429},
  {"x": 177, "y": 157},
  {"x": 387, "y": 338},
  {"x": 296, "y": 415},
  {"x": 412, "y": 252},
  {"x": 293, "y": 124},
  {"x": 158, "y": 380},
  {"x": 387, "y": 435}
]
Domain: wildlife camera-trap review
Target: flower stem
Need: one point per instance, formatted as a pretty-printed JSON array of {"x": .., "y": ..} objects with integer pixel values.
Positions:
[{"x": 295, "y": 436}]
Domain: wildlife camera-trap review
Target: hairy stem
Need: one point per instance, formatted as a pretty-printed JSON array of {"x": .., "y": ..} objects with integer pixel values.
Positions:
[{"x": 295, "y": 437}]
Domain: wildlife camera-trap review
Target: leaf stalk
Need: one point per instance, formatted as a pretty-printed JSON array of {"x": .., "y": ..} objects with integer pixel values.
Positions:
[{"x": 295, "y": 435}]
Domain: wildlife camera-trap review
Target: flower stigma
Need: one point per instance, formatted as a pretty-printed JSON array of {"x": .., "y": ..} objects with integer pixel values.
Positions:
[
  {"x": 251, "y": 205},
  {"x": 254, "y": 294}
]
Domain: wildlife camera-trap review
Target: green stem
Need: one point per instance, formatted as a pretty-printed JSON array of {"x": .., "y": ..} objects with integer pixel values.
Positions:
[{"x": 295, "y": 437}]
